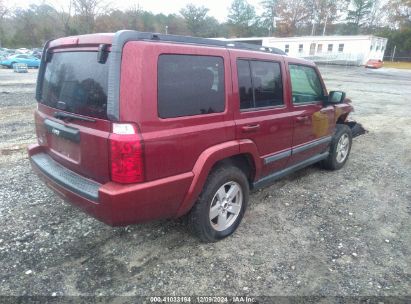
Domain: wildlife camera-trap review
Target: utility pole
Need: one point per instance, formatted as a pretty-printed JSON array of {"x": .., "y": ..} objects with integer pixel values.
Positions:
[
  {"x": 393, "y": 53},
  {"x": 166, "y": 29}
]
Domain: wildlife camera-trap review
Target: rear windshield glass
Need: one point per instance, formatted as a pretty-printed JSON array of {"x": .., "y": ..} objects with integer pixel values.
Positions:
[{"x": 76, "y": 82}]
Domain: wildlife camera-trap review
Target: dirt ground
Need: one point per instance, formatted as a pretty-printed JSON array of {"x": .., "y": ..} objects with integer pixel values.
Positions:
[{"x": 344, "y": 233}]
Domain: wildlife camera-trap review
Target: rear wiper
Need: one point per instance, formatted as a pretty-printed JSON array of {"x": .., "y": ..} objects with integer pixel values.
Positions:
[{"x": 62, "y": 115}]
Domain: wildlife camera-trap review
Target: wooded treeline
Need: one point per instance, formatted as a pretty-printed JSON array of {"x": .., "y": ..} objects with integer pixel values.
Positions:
[{"x": 31, "y": 27}]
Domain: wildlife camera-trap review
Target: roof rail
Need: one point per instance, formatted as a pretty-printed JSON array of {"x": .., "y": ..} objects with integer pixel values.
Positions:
[{"x": 135, "y": 35}]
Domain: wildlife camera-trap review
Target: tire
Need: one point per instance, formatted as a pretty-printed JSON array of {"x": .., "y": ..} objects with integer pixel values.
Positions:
[
  {"x": 213, "y": 217},
  {"x": 11, "y": 65},
  {"x": 339, "y": 149}
]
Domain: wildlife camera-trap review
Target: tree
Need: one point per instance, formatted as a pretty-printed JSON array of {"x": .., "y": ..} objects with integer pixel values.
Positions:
[
  {"x": 195, "y": 17},
  {"x": 3, "y": 12},
  {"x": 293, "y": 15},
  {"x": 359, "y": 14},
  {"x": 323, "y": 13},
  {"x": 242, "y": 18},
  {"x": 86, "y": 11},
  {"x": 399, "y": 12},
  {"x": 269, "y": 14}
]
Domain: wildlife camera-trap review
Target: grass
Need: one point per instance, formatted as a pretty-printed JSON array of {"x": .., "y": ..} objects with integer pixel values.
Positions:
[{"x": 397, "y": 65}]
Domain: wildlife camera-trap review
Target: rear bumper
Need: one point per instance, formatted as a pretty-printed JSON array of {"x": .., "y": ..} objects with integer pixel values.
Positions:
[{"x": 112, "y": 203}]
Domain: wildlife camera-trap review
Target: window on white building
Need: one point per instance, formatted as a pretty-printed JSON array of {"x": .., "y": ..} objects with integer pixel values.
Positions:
[
  {"x": 341, "y": 47},
  {"x": 371, "y": 47},
  {"x": 319, "y": 48},
  {"x": 330, "y": 47},
  {"x": 287, "y": 48},
  {"x": 300, "y": 48}
]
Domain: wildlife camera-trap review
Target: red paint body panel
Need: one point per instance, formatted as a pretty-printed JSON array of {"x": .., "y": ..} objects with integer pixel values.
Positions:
[
  {"x": 127, "y": 204},
  {"x": 178, "y": 153}
]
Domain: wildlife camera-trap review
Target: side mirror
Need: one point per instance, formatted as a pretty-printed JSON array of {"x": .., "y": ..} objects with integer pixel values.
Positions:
[{"x": 335, "y": 97}]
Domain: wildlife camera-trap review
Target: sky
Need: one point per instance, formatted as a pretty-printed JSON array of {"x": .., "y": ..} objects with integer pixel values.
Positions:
[{"x": 218, "y": 8}]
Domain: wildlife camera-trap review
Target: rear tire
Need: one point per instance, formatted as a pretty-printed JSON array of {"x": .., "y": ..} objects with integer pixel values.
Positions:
[
  {"x": 221, "y": 205},
  {"x": 339, "y": 149}
]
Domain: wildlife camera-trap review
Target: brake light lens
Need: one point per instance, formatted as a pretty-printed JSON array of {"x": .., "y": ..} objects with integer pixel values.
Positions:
[{"x": 126, "y": 156}]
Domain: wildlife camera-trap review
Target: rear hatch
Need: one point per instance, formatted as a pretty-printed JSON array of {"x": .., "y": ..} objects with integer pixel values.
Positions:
[{"x": 71, "y": 119}]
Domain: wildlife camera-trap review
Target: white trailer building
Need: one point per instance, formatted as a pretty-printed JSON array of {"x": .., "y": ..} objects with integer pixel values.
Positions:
[{"x": 354, "y": 50}]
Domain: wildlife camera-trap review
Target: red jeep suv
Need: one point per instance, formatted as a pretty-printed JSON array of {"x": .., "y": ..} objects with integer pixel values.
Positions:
[{"x": 135, "y": 126}]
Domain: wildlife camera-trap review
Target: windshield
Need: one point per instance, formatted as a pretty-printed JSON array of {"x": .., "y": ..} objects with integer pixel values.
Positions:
[{"x": 76, "y": 82}]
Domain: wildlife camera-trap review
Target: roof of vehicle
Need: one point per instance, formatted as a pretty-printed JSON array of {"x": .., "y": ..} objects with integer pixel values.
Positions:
[{"x": 121, "y": 37}]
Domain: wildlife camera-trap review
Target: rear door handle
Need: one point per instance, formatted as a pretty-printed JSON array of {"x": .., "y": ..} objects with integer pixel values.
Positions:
[
  {"x": 250, "y": 128},
  {"x": 302, "y": 118}
]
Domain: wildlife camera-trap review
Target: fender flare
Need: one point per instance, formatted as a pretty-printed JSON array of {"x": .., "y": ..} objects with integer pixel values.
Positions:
[
  {"x": 343, "y": 109},
  {"x": 208, "y": 159}
]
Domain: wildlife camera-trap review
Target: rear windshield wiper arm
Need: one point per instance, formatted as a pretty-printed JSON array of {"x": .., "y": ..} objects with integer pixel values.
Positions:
[{"x": 62, "y": 115}]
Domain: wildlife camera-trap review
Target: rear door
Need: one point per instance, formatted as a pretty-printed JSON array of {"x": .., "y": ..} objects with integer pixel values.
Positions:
[
  {"x": 312, "y": 122},
  {"x": 71, "y": 119},
  {"x": 261, "y": 113}
]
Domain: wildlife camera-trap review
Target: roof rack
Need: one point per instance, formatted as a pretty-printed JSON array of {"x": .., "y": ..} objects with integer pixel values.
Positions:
[{"x": 128, "y": 35}]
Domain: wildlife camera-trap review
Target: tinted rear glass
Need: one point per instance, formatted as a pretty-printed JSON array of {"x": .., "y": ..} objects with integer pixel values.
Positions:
[
  {"x": 190, "y": 85},
  {"x": 77, "y": 83}
]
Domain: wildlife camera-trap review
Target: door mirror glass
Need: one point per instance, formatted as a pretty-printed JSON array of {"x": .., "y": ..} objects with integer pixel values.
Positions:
[{"x": 336, "y": 97}]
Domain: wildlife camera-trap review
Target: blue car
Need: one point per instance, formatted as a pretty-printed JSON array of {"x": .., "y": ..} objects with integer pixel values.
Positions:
[{"x": 31, "y": 61}]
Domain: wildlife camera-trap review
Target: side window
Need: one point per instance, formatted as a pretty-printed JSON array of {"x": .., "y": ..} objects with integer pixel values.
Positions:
[
  {"x": 330, "y": 48},
  {"x": 260, "y": 84},
  {"x": 306, "y": 86},
  {"x": 245, "y": 85},
  {"x": 267, "y": 83},
  {"x": 341, "y": 47},
  {"x": 190, "y": 85}
]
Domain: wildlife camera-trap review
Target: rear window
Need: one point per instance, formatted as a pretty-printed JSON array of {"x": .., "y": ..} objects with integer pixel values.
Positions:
[
  {"x": 76, "y": 82},
  {"x": 190, "y": 85}
]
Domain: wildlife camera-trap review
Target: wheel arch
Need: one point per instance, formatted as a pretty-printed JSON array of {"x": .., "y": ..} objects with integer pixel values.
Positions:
[{"x": 241, "y": 153}]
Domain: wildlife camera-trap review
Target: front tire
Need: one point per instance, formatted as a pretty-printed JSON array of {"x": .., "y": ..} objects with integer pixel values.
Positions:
[
  {"x": 221, "y": 205},
  {"x": 339, "y": 149}
]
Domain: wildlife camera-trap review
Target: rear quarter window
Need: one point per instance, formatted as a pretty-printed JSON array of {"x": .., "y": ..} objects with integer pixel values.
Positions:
[{"x": 190, "y": 85}]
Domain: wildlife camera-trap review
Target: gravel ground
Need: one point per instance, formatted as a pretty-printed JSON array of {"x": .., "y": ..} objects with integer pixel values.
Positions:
[{"x": 344, "y": 233}]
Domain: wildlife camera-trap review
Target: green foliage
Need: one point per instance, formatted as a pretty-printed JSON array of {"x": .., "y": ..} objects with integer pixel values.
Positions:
[
  {"x": 32, "y": 26},
  {"x": 359, "y": 15},
  {"x": 195, "y": 17},
  {"x": 400, "y": 39}
]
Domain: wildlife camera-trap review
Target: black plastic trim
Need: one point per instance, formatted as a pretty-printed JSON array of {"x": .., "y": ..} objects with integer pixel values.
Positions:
[
  {"x": 311, "y": 145},
  {"x": 65, "y": 177},
  {"x": 267, "y": 180},
  {"x": 276, "y": 157},
  {"x": 40, "y": 74},
  {"x": 62, "y": 131}
]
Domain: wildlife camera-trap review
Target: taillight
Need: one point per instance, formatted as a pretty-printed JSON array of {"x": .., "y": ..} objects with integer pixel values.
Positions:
[{"x": 126, "y": 155}]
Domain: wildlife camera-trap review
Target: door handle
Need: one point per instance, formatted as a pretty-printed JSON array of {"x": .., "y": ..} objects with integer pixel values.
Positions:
[
  {"x": 302, "y": 118},
  {"x": 250, "y": 128}
]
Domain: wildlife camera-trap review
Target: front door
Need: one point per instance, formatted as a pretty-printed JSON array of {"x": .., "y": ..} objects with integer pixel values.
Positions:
[{"x": 313, "y": 123}]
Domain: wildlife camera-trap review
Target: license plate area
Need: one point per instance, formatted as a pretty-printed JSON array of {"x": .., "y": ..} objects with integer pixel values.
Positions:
[{"x": 63, "y": 141}]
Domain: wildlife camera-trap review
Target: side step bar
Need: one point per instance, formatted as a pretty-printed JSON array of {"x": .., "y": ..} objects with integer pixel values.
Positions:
[{"x": 269, "y": 179}]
